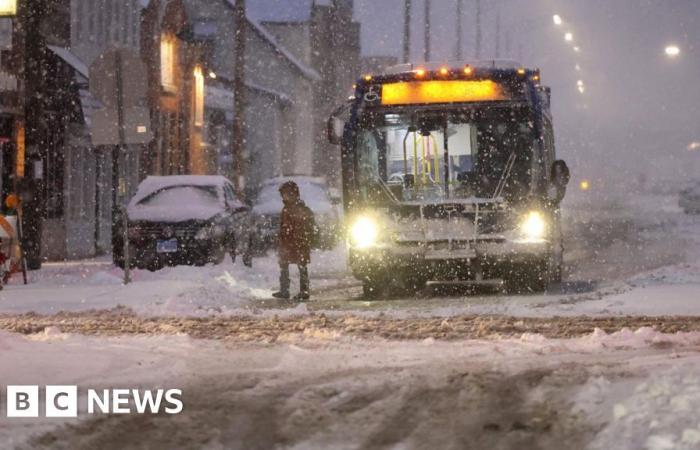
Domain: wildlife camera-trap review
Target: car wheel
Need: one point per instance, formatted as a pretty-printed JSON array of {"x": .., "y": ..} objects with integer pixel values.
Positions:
[
  {"x": 216, "y": 256},
  {"x": 119, "y": 262}
]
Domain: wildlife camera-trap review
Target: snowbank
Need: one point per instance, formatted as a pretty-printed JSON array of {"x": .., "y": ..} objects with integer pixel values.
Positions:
[{"x": 181, "y": 291}]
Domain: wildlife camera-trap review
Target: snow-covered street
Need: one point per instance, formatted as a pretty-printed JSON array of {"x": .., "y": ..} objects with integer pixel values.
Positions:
[
  {"x": 607, "y": 360},
  {"x": 349, "y": 224}
]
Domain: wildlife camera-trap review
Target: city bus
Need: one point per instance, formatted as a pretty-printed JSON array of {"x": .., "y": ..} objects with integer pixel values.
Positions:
[{"x": 449, "y": 175}]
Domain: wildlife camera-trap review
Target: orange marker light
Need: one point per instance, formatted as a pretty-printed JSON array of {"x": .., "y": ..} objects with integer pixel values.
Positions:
[
  {"x": 444, "y": 71},
  {"x": 468, "y": 70}
]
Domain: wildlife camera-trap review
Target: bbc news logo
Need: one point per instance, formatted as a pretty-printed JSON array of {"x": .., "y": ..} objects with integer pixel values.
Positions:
[{"x": 63, "y": 401}]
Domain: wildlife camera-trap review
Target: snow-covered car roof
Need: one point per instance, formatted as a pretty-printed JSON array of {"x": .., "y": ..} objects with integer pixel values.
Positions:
[
  {"x": 181, "y": 210},
  {"x": 313, "y": 191},
  {"x": 298, "y": 179}
]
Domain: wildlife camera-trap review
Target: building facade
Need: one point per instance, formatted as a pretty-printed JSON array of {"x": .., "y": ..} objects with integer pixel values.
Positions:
[
  {"x": 322, "y": 34},
  {"x": 189, "y": 48},
  {"x": 99, "y": 25}
]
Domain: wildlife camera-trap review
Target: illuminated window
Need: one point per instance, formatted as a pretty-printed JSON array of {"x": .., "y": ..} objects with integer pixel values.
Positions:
[
  {"x": 198, "y": 97},
  {"x": 167, "y": 63},
  {"x": 8, "y": 8}
]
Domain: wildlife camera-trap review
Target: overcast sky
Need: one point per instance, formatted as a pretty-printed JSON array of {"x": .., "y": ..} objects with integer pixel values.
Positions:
[{"x": 639, "y": 105}]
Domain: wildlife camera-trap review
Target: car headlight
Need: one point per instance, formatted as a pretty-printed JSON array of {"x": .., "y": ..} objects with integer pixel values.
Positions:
[
  {"x": 363, "y": 232},
  {"x": 533, "y": 227}
]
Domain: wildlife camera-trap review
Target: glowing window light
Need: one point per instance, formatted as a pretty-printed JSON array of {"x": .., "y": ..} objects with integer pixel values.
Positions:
[
  {"x": 8, "y": 8},
  {"x": 198, "y": 97},
  {"x": 167, "y": 63},
  {"x": 428, "y": 92}
]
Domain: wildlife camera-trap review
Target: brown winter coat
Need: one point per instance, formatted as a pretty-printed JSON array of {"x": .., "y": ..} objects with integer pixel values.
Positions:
[{"x": 296, "y": 233}]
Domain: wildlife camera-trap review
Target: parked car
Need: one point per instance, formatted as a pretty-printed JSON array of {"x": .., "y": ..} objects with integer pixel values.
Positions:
[
  {"x": 189, "y": 219},
  {"x": 268, "y": 206},
  {"x": 689, "y": 199}
]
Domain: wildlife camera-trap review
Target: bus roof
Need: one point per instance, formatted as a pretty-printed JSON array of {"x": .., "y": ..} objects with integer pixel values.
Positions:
[
  {"x": 449, "y": 83},
  {"x": 454, "y": 65}
]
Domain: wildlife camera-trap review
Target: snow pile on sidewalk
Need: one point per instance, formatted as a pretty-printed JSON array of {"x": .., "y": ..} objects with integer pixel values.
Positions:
[
  {"x": 661, "y": 413},
  {"x": 226, "y": 288}
]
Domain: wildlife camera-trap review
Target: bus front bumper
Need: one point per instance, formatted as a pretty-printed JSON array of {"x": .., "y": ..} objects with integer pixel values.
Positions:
[{"x": 493, "y": 252}]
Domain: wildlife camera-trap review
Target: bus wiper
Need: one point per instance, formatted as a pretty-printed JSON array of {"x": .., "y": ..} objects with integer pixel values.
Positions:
[
  {"x": 386, "y": 189},
  {"x": 506, "y": 174}
]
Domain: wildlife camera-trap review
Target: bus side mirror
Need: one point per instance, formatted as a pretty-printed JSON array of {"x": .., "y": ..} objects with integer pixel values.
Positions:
[
  {"x": 560, "y": 175},
  {"x": 334, "y": 130},
  {"x": 559, "y": 179},
  {"x": 335, "y": 127}
]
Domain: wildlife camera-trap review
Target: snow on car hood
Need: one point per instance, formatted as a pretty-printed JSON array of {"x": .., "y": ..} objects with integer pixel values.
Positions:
[
  {"x": 176, "y": 200},
  {"x": 170, "y": 214}
]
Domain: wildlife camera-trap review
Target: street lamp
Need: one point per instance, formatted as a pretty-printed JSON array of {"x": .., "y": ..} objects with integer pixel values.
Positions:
[
  {"x": 672, "y": 51},
  {"x": 557, "y": 19},
  {"x": 569, "y": 36},
  {"x": 8, "y": 8}
]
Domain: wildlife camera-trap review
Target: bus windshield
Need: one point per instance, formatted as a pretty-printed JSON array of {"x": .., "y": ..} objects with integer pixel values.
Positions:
[{"x": 401, "y": 156}]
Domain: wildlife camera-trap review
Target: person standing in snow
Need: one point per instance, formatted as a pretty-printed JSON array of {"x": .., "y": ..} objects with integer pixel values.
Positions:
[{"x": 296, "y": 234}]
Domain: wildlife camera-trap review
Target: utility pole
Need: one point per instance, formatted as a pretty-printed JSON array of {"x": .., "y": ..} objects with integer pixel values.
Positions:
[
  {"x": 478, "y": 29},
  {"x": 406, "y": 31},
  {"x": 498, "y": 30},
  {"x": 31, "y": 187},
  {"x": 239, "y": 97},
  {"x": 458, "y": 48},
  {"x": 426, "y": 50}
]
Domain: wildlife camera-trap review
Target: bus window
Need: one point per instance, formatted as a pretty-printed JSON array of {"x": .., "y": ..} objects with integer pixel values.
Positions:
[{"x": 403, "y": 157}]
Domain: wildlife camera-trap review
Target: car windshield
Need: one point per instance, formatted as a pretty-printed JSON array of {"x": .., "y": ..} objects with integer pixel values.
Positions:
[
  {"x": 403, "y": 155},
  {"x": 179, "y": 196}
]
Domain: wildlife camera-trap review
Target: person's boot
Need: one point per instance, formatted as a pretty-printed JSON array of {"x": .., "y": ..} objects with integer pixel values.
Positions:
[
  {"x": 301, "y": 297},
  {"x": 283, "y": 293},
  {"x": 303, "y": 284}
]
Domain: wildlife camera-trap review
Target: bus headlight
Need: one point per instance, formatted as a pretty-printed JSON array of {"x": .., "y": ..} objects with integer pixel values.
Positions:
[
  {"x": 363, "y": 232},
  {"x": 533, "y": 227}
]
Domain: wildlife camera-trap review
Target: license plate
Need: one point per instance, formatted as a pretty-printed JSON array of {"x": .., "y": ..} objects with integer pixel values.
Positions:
[{"x": 169, "y": 246}]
